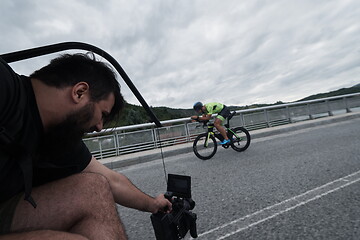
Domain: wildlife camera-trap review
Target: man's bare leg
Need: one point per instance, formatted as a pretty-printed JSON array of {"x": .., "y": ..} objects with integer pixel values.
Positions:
[
  {"x": 43, "y": 234},
  {"x": 81, "y": 204}
]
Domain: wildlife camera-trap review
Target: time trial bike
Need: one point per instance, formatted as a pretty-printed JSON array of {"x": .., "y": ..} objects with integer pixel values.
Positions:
[{"x": 205, "y": 144}]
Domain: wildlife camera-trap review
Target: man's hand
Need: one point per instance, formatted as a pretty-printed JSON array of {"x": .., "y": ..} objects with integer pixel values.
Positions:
[{"x": 161, "y": 204}]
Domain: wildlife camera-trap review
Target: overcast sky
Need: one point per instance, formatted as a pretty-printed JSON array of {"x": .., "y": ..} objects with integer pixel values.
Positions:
[{"x": 178, "y": 52}]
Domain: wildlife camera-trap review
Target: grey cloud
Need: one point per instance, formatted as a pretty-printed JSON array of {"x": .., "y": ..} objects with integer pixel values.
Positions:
[{"x": 177, "y": 52}]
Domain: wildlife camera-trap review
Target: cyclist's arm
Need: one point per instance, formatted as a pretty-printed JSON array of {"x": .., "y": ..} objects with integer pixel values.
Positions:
[{"x": 205, "y": 117}]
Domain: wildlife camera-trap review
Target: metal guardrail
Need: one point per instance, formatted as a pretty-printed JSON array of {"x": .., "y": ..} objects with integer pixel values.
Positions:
[{"x": 140, "y": 137}]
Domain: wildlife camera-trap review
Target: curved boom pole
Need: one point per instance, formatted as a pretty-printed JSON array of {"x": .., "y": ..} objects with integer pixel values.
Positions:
[{"x": 39, "y": 51}]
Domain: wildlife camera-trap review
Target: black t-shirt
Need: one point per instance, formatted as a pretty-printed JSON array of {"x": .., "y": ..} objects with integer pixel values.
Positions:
[{"x": 20, "y": 118}]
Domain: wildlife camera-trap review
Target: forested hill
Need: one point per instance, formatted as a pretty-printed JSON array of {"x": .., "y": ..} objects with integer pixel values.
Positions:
[
  {"x": 134, "y": 114},
  {"x": 342, "y": 91}
]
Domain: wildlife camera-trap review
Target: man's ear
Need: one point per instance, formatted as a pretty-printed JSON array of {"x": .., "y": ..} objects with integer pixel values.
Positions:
[{"x": 80, "y": 91}]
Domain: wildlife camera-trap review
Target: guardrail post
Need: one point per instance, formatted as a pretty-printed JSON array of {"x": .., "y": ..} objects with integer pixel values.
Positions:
[
  {"x": 154, "y": 137},
  {"x": 309, "y": 111},
  {"x": 288, "y": 114},
  {"x": 242, "y": 119},
  {"x": 117, "y": 147},
  {"x": 329, "y": 108},
  {"x": 267, "y": 118},
  {"x": 346, "y": 105},
  {"x": 187, "y": 131},
  {"x": 100, "y": 149}
]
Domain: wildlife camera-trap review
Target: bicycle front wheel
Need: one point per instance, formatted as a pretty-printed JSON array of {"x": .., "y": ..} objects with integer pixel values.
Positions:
[
  {"x": 204, "y": 147},
  {"x": 240, "y": 139}
]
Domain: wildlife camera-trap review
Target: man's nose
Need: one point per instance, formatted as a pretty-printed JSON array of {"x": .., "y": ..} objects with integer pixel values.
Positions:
[{"x": 99, "y": 126}]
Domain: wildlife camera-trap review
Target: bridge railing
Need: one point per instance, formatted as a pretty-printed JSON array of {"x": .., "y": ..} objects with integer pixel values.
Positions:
[{"x": 140, "y": 137}]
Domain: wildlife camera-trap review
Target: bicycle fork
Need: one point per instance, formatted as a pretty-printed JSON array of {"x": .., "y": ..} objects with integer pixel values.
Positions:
[{"x": 206, "y": 143}]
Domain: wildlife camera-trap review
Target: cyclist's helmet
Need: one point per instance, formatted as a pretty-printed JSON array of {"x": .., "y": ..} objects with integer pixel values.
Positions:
[{"x": 198, "y": 106}]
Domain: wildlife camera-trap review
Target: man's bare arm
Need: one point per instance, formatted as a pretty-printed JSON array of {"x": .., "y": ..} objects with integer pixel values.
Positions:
[{"x": 126, "y": 193}]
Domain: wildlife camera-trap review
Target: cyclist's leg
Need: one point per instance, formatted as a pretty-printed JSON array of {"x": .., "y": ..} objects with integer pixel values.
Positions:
[
  {"x": 218, "y": 124},
  {"x": 220, "y": 118}
]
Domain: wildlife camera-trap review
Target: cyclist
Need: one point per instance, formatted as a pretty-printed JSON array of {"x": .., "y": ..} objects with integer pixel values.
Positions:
[{"x": 211, "y": 108}]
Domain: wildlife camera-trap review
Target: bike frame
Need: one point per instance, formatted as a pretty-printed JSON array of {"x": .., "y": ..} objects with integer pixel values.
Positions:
[
  {"x": 218, "y": 136},
  {"x": 234, "y": 133},
  {"x": 210, "y": 133}
]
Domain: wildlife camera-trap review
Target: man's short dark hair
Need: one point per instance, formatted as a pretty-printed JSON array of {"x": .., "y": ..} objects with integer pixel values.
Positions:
[{"x": 70, "y": 69}]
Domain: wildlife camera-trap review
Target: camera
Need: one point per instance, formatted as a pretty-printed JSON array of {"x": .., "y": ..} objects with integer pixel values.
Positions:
[{"x": 176, "y": 224}]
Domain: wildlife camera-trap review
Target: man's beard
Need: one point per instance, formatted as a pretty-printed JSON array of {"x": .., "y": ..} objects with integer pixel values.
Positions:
[{"x": 64, "y": 136}]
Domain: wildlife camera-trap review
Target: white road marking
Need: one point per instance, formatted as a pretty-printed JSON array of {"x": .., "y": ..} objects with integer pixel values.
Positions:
[{"x": 272, "y": 211}]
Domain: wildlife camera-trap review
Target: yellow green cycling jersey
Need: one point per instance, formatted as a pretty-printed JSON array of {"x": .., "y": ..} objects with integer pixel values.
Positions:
[{"x": 214, "y": 107}]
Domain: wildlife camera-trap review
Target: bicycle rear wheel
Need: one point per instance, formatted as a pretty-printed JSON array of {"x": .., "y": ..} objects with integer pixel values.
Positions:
[
  {"x": 204, "y": 147},
  {"x": 240, "y": 139}
]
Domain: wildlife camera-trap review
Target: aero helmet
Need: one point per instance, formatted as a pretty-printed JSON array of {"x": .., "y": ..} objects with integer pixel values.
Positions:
[{"x": 198, "y": 106}]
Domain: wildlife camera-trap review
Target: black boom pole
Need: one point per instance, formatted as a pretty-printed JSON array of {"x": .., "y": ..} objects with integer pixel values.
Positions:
[{"x": 39, "y": 51}]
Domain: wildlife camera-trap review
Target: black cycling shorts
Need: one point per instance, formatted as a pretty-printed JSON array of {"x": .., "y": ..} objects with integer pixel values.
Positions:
[{"x": 224, "y": 113}]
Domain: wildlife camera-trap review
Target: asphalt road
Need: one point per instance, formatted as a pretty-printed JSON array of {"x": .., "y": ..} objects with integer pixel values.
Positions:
[{"x": 299, "y": 185}]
